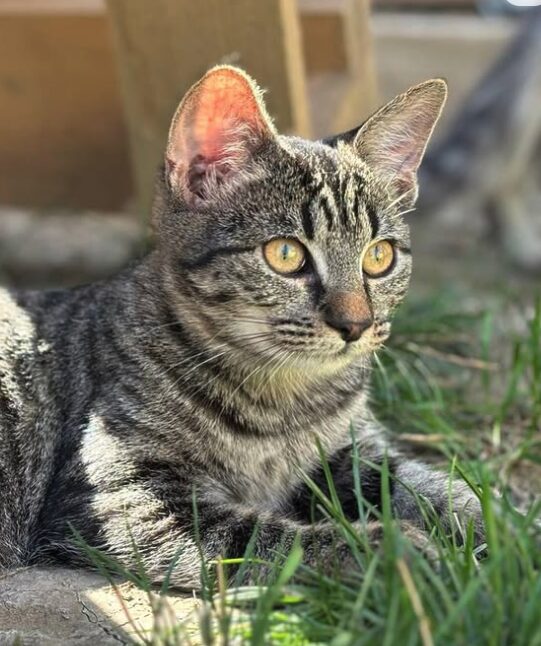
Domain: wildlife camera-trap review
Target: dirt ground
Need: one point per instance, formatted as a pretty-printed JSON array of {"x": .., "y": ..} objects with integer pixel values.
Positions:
[{"x": 57, "y": 606}]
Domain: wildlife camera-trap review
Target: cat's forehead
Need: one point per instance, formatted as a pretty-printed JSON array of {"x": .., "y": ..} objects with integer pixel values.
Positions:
[
  {"x": 339, "y": 198},
  {"x": 324, "y": 161}
]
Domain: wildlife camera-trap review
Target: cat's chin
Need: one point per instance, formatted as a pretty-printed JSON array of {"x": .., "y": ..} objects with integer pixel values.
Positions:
[
  {"x": 284, "y": 380},
  {"x": 325, "y": 363},
  {"x": 333, "y": 356},
  {"x": 356, "y": 350}
]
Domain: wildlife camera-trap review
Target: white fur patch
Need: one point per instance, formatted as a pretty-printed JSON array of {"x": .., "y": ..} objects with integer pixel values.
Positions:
[{"x": 17, "y": 336}]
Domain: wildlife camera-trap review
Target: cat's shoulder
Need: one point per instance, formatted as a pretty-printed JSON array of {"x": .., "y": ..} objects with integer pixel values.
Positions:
[{"x": 17, "y": 332}]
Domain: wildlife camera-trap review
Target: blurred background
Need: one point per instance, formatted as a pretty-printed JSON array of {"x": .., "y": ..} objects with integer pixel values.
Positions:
[{"x": 88, "y": 88}]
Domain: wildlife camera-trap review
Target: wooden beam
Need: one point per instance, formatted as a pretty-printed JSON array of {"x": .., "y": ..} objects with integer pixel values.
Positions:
[
  {"x": 327, "y": 6},
  {"x": 164, "y": 46},
  {"x": 338, "y": 46},
  {"x": 65, "y": 7},
  {"x": 440, "y": 5},
  {"x": 361, "y": 63}
]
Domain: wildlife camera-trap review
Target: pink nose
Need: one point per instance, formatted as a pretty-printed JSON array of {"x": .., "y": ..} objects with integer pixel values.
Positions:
[{"x": 349, "y": 314}]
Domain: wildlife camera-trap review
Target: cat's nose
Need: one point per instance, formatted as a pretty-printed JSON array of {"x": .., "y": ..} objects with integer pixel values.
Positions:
[
  {"x": 349, "y": 330},
  {"x": 349, "y": 314}
]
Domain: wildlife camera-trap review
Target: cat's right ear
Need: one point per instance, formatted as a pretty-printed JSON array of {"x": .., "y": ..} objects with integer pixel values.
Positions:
[{"x": 219, "y": 125}]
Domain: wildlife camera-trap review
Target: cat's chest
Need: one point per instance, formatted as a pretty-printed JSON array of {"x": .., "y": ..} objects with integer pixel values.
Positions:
[
  {"x": 266, "y": 473},
  {"x": 267, "y": 482}
]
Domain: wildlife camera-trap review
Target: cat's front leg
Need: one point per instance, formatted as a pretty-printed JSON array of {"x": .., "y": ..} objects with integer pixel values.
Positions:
[
  {"x": 415, "y": 481},
  {"x": 151, "y": 522}
]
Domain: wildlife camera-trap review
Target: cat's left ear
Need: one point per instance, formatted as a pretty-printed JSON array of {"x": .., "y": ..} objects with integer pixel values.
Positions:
[
  {"x": 393, "y": 140},
  {"x": 219, "y": 125}
]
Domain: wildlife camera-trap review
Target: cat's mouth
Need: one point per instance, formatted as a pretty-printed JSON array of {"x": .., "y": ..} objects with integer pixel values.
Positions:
[
  {"x": 371, "y": 341},
  {"x": 347, "y": 350},
  {"x": 302, "y": 342}
]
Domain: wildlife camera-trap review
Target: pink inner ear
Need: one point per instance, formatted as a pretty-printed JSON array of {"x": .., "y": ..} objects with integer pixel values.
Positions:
[
  {"x": 219, "y": 121},
  {"x": 224, "y": 114},
  {"x": 218, "y": 126}
]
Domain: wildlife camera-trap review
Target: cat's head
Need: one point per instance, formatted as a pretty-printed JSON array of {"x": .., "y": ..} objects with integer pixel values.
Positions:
[{"x": 283, "y": 248}]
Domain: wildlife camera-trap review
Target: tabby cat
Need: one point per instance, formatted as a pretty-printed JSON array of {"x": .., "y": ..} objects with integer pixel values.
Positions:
[{"x": 208, "y": 370}]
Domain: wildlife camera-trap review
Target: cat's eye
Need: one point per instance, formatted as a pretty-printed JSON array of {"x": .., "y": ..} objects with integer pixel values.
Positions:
[
  {"x": 378, "y": 258},
  {"x": 284, "y": 255}
]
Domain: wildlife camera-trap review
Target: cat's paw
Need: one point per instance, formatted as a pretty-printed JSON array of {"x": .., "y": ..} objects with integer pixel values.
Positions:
[
  {"x": 420, "y": 540},
  {"x": 466, "y": 510},
  {"x": 416, "y": 536},
  {"x": 341, "y": 559}
]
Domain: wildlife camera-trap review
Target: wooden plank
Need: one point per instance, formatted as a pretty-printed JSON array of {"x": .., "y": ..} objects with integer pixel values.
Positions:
[
  {"x": 162, "y": 49},
  {"x": 440, "y": 5},
  {"x": 323, "y": 41},
  {"x": 338, "y": 46},
  {"x": 62, "y": 134},
  {"x": 363, "y": 99},
  {"x": 65, "y": 7},
  {"x": 329, "y": 6}
]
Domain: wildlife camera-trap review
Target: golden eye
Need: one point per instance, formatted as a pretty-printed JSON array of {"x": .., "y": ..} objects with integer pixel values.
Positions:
[
  {"x": 284, "y": 255},
  {"x": 378, "y": 258}
]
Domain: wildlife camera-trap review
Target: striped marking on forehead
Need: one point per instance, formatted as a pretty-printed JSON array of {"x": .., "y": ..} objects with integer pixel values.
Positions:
[{"x": 334, "y": 203}]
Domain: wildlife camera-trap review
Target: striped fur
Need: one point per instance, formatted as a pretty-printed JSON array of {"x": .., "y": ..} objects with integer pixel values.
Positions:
[{"x": 199, "y": 372}]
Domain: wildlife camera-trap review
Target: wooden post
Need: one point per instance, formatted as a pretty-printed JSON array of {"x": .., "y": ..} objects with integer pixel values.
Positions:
[
  {"x": 164, "y": 46},
  {"x": 361, "y": 63},
  {"x": 339, "y": 52}
]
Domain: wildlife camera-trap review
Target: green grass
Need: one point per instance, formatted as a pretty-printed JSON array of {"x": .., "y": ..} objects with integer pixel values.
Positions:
[{"x": 469, "y": 399}]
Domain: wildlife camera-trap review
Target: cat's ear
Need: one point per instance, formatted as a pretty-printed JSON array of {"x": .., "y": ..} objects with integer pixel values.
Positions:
[
  {"x": 394, "y": 139},
  {"x": 219, "y": 125}
]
